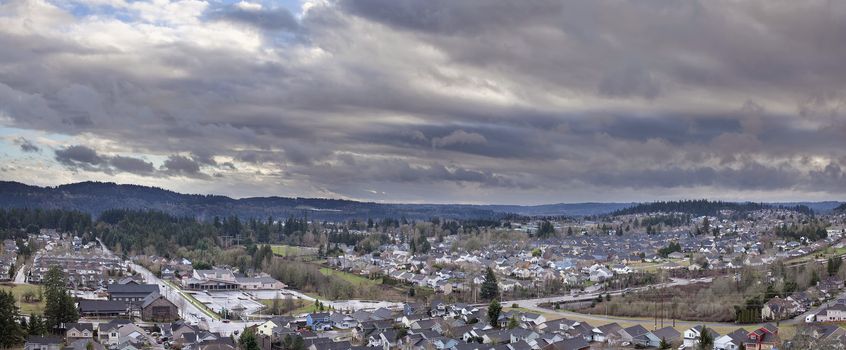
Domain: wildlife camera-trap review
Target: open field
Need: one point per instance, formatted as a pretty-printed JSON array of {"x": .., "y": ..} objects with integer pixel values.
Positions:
[
  {"x": 350, "y": 277},
  {"x": 287, "y": 250},
  {"x": 19, "y": 290}
]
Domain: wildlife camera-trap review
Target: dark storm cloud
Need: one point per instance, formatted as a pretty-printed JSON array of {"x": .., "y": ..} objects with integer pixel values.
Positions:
[
  {"x": 27, "y": 145},
  {"x": 443, "y": 100}
]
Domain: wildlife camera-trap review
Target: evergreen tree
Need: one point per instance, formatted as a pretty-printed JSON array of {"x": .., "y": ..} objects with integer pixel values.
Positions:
[
  {"x": 494, "y": 309},
  {"x": 513, "y": 323},
  {"x": 11, "y": 333},
  {"x": 706, "y": 340},
  {"x": 248, "y": 340},
  {"x": 834, "y": 265},
  {"x": 490, "y": 288},
  {"x": 36, "y": 326},
  {"x": 60, "y": 306},
  {"x": 664, "y": 344}
]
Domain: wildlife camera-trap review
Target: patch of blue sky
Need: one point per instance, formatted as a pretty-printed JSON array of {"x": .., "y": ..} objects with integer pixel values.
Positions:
[
  {"x": 295, "y": 6},
  {"x": 9, "y": 147},
  {"x": 82, "y": 9}
]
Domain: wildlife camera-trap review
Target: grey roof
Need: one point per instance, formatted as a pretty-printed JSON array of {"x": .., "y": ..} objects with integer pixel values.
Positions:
[
  {"x": 636, "y": 330},
  {"x": 132, "y": 288},
  {"x": 571, "y": 344},
  {"x": 667, "y": 333},
  {"x": 33, "y": 339},
  {"x": 150, "y": 298},
  {"x": 105, "y": 327},
  {"x": 82, "y": 344},
  {"x": 102, "y": 306},
  {"x": 79, "y": 326}
]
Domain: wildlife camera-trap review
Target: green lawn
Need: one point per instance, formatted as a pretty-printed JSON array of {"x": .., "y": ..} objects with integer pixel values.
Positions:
[
  {"x": 287, "y": 250},
  {"x": 18, "y": 290},
  {"x": 349, "y": 277}
]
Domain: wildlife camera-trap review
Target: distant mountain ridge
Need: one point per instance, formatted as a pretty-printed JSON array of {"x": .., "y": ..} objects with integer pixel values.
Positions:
[
  {"x": 707, "y": 207},
  {"x": 96, "y": 197}
]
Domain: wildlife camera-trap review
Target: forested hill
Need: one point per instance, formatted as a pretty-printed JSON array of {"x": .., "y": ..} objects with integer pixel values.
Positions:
[
  {"x": 841, "y": 208},
  {"x": 96, "y": 197},
  {"x": 706, "y": 207}
]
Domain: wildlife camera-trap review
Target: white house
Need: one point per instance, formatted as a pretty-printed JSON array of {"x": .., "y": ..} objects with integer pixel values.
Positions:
[
  {"x": 731, "y": 341},
  {"x": 691, "y": 336},
  {"x": 836, "y": 312}
]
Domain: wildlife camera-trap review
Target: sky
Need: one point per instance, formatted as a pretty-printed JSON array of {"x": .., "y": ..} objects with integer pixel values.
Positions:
[{"x": 439, "y": 101}]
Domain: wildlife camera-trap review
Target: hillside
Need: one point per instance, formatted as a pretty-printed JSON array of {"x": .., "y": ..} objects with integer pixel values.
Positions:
[
  {"x": 96, "y": 197},
  {"x": 705, "y": 207}
]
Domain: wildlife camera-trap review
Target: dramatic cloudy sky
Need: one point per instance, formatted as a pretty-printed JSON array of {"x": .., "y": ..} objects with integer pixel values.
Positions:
[{"x": 429, "y": 101}]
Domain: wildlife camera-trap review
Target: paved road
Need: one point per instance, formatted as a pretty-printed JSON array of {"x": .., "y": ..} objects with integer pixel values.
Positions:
[
  {"x": 188, "y": 310},
  {"x": 20, "y": 276}
]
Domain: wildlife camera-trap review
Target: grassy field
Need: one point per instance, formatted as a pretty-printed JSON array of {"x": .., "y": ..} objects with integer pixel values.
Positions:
[
  {"x": 302, "y": 306},
  {"x": 349, "y": 277},
  {"x": 18, "y": 290},
  {"x": 287, "y": 250},
  {"x": 646, "y": 267}
]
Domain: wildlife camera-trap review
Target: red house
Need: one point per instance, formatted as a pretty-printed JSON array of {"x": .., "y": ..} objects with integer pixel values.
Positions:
[{"x": 763, "y": 338}]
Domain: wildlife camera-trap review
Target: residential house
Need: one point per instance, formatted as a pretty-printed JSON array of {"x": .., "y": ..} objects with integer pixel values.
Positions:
[
  {"x": 692, "y": 335},
  {"x": 834, "y": 313},
  {"x": 85, "y": 344},
  {"x": 75, "y": 331},
  {"x": 780, "y": 309},
  {"x": 763, "y": 338},
  {"x": 609, "y": 333},
  {"x": 43, "y": 343},
  {"x": 668, "y": 334},
  {"x": 319, "y": 321},
  {"x": 731, "y": 341},
  {"x": 640, "y": 336},
  {"x": 107, "y": 333},
  {"x": 569, "y": 344}
]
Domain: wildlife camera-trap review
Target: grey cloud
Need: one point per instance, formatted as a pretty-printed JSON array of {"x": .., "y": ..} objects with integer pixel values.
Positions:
[
  {"x": 459, "y": 137},
  {"x": 131, "y": 165},
  {"x": 629, "y": 81},
  {"x": 460, "y": 96},
  {"x": 177, "y": 165},
  {"x": 27, "y": 145},
  {"x": 78, "y": 155}
]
